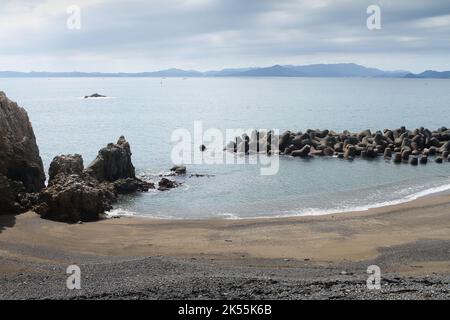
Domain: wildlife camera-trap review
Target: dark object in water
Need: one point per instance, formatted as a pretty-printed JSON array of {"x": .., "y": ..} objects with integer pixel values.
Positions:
[
  {"x": 95, "y": 95},
  {"x": 178, "y": 169}
]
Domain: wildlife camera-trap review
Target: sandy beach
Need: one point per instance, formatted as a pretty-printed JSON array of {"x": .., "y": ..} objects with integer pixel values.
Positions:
[{"x": 305, "y": 257}]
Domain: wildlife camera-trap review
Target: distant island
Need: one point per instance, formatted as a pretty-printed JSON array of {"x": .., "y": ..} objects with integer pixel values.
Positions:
[{"x": 313, "y": 70}]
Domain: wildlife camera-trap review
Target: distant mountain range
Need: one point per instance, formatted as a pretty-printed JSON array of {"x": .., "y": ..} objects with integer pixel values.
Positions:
[{"x": 313, "y": 70}]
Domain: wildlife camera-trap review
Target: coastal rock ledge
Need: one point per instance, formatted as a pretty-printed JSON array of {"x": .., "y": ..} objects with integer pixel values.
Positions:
[
  {"x": 21, "y": 169},
  {"x": 76, "y": 194}
]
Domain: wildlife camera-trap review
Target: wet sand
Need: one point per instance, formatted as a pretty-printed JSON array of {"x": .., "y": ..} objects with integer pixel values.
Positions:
[{"x": 410, "y": 242}]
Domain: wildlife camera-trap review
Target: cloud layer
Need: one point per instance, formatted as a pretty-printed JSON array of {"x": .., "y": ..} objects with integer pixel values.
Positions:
[{"x": 142, "y": 35}]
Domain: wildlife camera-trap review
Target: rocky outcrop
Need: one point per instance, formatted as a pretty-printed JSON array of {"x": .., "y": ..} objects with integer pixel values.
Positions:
[
  {"x": 399, "y": 145},
  {"x": 113, "y": 162},
  {"x": 72, "y": 195},
  {"x": 74, "y": 198},
  {"x": 166, "y": 184},
  {"x": 67, "y": 165},
  {"x": 77, "y": 194},
  {"x": 21, "y": 168}
]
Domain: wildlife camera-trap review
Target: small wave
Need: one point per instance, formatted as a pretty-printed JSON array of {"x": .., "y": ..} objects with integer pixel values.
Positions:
[
  {"x": 229, "y": 216},
  {"x": 119, "y": 212},
  {"x": 408, "y": 198}
]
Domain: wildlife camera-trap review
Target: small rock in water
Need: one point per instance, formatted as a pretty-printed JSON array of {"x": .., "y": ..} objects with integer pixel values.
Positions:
[
  {"x": 423, "y": 159},
  {"x": 178, "y": 169},
  {"x": 397, "y": 157},
  {"x": 95, "y": 95},
  {"x": 439, "y": 160},
  {"x": 166, "y": 184}
]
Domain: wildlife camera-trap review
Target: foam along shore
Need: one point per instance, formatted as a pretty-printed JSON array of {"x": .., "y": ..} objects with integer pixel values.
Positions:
[
  {"x": 352, "y": 236},
  {"x": 401, "y": 145}
]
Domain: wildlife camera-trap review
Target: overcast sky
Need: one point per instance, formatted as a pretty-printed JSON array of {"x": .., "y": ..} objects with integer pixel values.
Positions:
[{"x": 147, "y": 35}]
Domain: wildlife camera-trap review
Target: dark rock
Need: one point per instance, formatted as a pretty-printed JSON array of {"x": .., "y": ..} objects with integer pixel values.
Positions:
[
  {"x": 365, "y": 133},
  {"x": 328, "y": 152},
  {"x": 339, "y": 147},
  {"x": 414, "y": 161},
  {"x": 439, "y": 160},
  {"x": 405, "y": 154},
  {"x": 72, "y": 198},
  {"x": 66, "y": 164},
  {"x": 387, "y": 153},
  {"x": 95, "y": 95},
  {"x": 432, "y": 151},
  {"x": 20, "y": 163},
  {"x": 397, "y": 157},
  {"x": 166, "y": 184},
  {"x": 350, "y": 152},
  {"x": 304, "y": 152},
  {"x": 113, "y": 163},
  {"x": 74, "y": 194},
  {"x": 423, "y": 159},
  {"x": 178, "y": 169},
  {"x": 129, "y": 185}
]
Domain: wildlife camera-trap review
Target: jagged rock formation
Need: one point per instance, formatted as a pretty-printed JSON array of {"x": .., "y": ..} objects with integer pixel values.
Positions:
[
  {"x": 72, "y": 195},
  {"x": 77, "y": 194},
  {"x": 404, "y": 146},
  {"x": 113, "y": 162},
  {"x": 21, "y": 168}
]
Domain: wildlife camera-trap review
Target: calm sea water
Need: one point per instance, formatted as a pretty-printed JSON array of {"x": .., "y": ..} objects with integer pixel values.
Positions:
[{"x": 147, "y": 111}]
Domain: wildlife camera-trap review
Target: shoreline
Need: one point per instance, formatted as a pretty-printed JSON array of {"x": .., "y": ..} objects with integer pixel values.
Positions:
[
  {"x": 137, "y": 227},
  {"x": 284, "y": 258},
  {"x": 441, "y": 190}
]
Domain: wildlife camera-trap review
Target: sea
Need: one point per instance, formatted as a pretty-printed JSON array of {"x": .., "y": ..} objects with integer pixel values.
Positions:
[{"x": 147, "y": 111}]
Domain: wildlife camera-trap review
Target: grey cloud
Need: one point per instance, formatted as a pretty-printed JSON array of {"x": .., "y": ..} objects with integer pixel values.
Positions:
[{"x": 236, "y": 32}]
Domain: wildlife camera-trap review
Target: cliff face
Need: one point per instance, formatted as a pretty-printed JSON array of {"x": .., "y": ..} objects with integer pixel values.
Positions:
[{"x": 20, "y": 163}]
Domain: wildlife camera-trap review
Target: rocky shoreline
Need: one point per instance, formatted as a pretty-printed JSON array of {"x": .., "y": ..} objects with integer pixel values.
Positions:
[
  {"x": 399, "y": 145},
  {"x": 73, "y": 193}
]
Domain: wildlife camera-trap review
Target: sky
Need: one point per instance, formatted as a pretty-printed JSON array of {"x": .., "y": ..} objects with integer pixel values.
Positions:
[{"x": 149, "y": 35}]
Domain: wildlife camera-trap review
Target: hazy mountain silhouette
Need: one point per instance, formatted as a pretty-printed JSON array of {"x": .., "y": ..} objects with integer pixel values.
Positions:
[
  {"x": 313, "y": 70},
  {"x": 430, "y": 74}
]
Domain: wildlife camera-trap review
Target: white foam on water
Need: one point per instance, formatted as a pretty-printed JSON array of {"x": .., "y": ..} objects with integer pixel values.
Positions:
[
  {"x": 119, "y": 212},
  {"x": 344, "y": 209},
  {"x": 229, "y": 216}
]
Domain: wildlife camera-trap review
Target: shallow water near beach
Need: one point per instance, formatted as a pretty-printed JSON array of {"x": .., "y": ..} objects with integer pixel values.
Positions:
[{"x": 148, "y": 110}]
